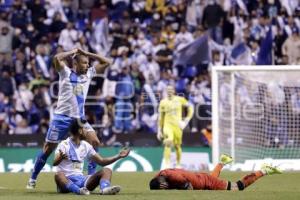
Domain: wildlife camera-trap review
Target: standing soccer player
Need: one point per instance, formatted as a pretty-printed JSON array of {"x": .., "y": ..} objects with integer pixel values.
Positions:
[
  {"x": 172, "y": 123},
  {"x": 74, "y": 83}
]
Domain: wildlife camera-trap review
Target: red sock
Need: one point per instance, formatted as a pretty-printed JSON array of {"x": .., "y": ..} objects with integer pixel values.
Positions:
[
  {"x": 217, "y": 170},
  {"x": 251, "y": 178}
]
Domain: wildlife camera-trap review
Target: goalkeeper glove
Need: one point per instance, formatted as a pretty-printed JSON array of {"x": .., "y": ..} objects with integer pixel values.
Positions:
[
  {"x": 183, "y": 124},
  {"x": 159, "y": 135}
]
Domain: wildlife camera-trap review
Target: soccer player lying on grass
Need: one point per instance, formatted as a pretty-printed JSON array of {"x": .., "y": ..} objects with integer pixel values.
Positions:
[
  {"x": 69, "y": 159},
  {"x": 185, "y": 180}
]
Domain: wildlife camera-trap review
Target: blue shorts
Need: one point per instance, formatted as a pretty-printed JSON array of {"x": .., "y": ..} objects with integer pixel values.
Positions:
[
  {"x": 59, "y": 128},
  {"x": 79, "y": 180}
]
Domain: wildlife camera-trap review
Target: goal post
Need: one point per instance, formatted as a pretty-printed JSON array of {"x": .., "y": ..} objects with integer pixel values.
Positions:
[{"x": 256, "y": 115}]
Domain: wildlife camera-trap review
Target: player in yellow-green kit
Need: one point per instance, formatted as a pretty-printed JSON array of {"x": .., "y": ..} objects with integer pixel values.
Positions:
[{"x": 171, "y": 124}]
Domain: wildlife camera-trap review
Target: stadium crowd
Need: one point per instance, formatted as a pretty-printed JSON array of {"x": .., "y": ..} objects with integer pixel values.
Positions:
[{"x": 143, "y": 37}]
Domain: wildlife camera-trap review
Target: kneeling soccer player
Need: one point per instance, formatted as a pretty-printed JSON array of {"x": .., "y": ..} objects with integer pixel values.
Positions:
[
  {"x": 69, "y": 158},
  {"x": 186, "y": 180}
]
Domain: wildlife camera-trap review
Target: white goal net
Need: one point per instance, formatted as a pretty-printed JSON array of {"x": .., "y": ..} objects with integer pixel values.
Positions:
[{"x": 256, "y": 114}]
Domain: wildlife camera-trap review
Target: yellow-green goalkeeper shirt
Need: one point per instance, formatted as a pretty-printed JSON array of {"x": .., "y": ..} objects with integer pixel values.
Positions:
[{"x": 171, "y": 110}]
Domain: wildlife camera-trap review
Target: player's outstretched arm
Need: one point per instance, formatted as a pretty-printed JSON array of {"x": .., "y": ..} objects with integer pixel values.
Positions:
[
  {"x": 109, "y": 160},
  {"x": 103, "y": 61},
  {"x": 59, "y": 59}
]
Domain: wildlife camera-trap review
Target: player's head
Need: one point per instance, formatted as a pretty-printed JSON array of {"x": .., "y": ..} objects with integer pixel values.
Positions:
[
  {"x": 76, "y": 128},
  {"x": 81, "y": 63},
  {"x": 159, "y": 183},
  {"x": 170, "y": 91}
]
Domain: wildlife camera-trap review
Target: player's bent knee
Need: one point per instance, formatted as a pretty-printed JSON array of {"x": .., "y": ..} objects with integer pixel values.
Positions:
[
  {"x": 107, "y": 171},
  {"x": 59, "y": 175}
]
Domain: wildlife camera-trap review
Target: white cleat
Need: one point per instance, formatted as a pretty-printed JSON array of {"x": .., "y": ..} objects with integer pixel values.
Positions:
[
  {"x": 84, "y": 191},
  {"x": 31, "y": 184},
  {"x": 112, "y": 190}
]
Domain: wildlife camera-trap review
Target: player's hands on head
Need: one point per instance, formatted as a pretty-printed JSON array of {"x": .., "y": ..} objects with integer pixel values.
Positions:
[
  {"x": 82, "y": 52},
  {"x": 124, "y": 152}
]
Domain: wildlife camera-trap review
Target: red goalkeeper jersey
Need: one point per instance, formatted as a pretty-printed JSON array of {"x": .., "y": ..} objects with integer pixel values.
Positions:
[{"x": 179, "y": 178}]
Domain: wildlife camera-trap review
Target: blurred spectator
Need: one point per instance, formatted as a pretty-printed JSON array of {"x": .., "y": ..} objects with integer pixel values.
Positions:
[
  {"x": 7, "y": 84},
  {"x": 149, "y": 105},
  {"x": 22, "y": 128},
  {"x": 20, "y": 15},
  {"x": 291, "y": 47},
  {"x": 183, "y": 38},
  {"x": 57, "y": 25},
  {"x": 6, "y": 41},
  {"x": 68, "y": 37},
  {"x": 23, "y": 99},
  {"x": 123, "y": 106},
  {"x": 38, "y": 15},
  {"x": 42, "y": 61},
  {"x": 99, "y": 10},
  {"x": 212, "y": 16}
]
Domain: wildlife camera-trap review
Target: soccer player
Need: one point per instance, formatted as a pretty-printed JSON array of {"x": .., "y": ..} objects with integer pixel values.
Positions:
[
  {"x": 171, "y": 124},
  {"x": 69, "y": 159},
  {"x": 73, "y": 88},
  {"x": 186, "y": 180}
]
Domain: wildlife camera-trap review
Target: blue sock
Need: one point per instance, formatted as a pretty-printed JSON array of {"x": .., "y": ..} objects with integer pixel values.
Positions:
[
  {"x": 73, "y": 188},
  {"x": 104, "y": 184},
  {"x": 92, "y": 166},
  {"x": 39, "y": 164}
]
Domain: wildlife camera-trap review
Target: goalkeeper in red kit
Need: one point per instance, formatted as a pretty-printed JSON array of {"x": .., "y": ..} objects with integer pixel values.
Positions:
[{"x": 185, "y": 180}]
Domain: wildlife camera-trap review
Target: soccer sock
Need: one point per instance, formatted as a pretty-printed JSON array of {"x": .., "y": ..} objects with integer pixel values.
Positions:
[
  {"x": 178, "y": 154},
  {"x": 104, "y": 184},
  {"x": 92, "y": 166},
  {"x": 73, "y": 188},
  {"x": 217, "y": 170},
  {"x": 251, "y": 178},
  {"x": 167, "y": 155},
  {"x": 39, "y": 164}
]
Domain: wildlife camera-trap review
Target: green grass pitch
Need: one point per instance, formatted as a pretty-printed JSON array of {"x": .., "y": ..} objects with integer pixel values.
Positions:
[{"x": 135, "y": 186}]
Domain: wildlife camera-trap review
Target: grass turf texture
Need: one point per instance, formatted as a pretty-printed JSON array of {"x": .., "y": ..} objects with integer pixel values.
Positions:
[{"x": 135, "y": 186}]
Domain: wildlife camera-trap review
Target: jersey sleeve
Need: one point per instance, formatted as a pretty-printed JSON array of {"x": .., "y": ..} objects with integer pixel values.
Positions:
[
  {"x": 91, "y": 72},
  {"x": 64, "y": 72},
  {"x": 183, "y": 101},
  {"x": 90, "y": 151},
  {"x": 61, "y": 147}
]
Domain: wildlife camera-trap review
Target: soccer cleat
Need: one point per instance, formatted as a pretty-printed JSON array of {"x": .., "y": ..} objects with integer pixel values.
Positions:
[
  {"x": 84, "y": 191},
  {"x": 112, "y": 190},
  {"x": 31, "y": 184},
  {"x": 225, "y": 159},
  {"x": 270, "y": 170}
]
